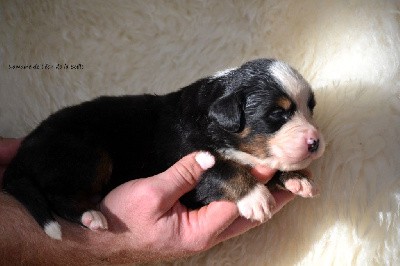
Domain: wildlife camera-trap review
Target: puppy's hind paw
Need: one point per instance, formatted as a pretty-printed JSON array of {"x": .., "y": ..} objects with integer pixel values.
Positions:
[
  {"x": 94, "y": 220},
  {"x": 257, "y": 205}
]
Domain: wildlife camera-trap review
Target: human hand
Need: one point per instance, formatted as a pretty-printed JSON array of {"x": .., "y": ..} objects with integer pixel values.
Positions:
[
  {"x": 156, "y": 226},
  {"x": 146, "y": 220},
  {"x": 8, "y": 149}
]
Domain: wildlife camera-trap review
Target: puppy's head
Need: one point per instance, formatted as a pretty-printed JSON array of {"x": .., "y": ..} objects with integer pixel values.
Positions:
[{"x": 266, "y": 115}]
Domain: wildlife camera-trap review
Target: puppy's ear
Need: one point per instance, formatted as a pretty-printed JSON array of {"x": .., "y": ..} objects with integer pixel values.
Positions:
[{"x": 228, "y": 113}]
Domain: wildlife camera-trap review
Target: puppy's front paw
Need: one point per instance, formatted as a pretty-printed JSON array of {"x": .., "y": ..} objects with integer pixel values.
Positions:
[
  {"x": 302, "y": 186},
  {"x": 94, "y": 220},
  {"x": 257, "y": 205}
]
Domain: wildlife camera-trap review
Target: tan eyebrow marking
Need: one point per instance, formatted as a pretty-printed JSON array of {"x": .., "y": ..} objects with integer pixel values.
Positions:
[
  {"x": 284, "y": 102},
  {"x": 256, "y": 146},
  {"x": 246, "y": 131}
]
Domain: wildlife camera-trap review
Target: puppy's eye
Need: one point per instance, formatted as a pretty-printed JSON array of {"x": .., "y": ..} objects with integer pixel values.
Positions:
[
  {"x": 311, "y": 103},
  {"x": 278, "y": 114}
]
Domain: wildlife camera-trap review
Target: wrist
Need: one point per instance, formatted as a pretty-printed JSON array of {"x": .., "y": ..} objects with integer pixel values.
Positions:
[
  {"x": 100, "y": 246},
  {"x": 23, "y": 240}
]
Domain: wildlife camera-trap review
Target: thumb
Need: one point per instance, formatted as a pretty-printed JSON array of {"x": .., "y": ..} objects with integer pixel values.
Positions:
[{"x": 183, "y": 176}]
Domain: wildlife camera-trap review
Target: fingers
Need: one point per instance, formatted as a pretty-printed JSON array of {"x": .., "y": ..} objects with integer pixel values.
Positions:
[
  {"x": 238, "y": 227},
  {"x": 183, "y": 176},
  {"x": 8, "y": 149},
  {"x": 263, "y": 173},
  {"x": 207, "y": 223},
  {"x": 242, "y": 225},
  {"x": 214, "y": 218},
  {"x": 282, "y": 197}
]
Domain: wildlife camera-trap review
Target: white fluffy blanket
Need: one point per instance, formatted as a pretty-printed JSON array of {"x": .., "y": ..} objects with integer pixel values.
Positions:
[{"x": 348, "y": 50}]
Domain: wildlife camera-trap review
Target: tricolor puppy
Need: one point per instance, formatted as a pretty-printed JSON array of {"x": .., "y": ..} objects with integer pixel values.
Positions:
[{"x": 258, "y": 113}]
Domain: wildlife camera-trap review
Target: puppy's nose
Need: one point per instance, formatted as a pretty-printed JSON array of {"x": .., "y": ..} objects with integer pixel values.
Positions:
[{"x": 313, "y": 144}]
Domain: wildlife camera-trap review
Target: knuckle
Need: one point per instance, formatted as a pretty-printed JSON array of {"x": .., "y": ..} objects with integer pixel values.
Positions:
[
  {"x": 185, "y": 175},
  {"x": 199, "y": 244},
  {"x": 202, "y": 246},
  {"x": 150, "y": 195}
]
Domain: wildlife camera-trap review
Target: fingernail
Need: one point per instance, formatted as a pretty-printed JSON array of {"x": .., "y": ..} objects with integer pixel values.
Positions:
[{"x": 205, "y": 160}]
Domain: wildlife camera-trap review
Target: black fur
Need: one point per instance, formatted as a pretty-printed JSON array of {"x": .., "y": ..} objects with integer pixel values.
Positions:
[{"x": 80, "y": 153}]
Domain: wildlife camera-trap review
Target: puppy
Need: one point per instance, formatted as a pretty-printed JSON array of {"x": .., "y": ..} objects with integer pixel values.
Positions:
[{"x": 258, "y": 113}]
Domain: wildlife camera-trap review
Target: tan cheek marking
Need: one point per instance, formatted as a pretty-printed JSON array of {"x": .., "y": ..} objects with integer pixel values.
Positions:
[
  {"x": 256, "y": 146},
  {"x": 239, "y": 185}
]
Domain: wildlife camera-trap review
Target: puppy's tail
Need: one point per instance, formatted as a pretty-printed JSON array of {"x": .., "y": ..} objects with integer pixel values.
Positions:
[{"x": 24, "y": 190}]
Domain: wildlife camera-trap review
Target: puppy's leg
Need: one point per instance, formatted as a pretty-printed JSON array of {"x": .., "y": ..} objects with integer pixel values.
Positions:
[
  {"x": 230, "y": 181},
  {"x": 81, "y": 210},
  {"x": 84, "y": 176},
  {"x": 297, "y": 182},
  {"x": 257, "y": 204}
]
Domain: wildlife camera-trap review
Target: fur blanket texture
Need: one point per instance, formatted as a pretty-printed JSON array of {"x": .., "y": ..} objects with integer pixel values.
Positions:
[{"x": 58, "y": 53}]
